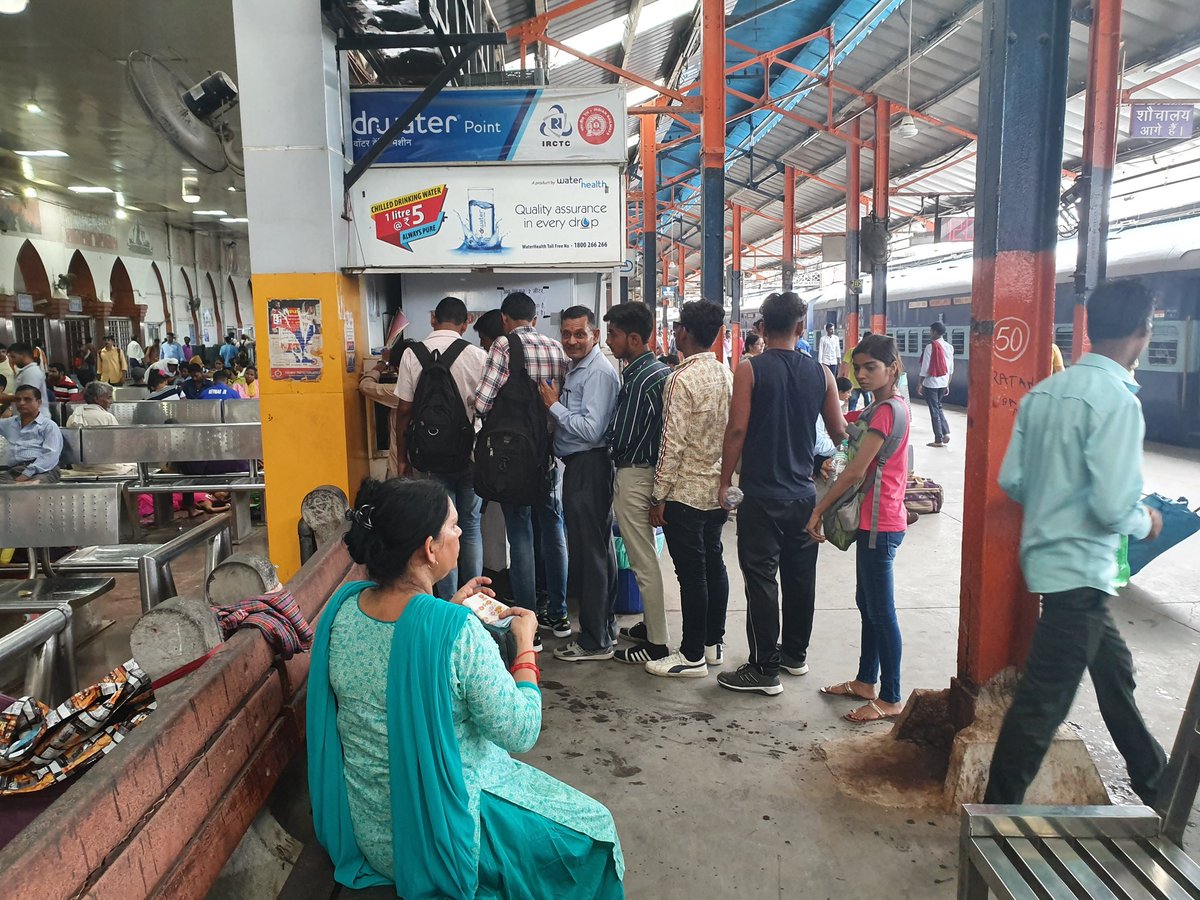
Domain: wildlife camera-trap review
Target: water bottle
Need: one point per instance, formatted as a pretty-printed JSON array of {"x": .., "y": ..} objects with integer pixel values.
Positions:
[
  {"x": 839, "y": 459},
  {"x": 733, "y": 497}
]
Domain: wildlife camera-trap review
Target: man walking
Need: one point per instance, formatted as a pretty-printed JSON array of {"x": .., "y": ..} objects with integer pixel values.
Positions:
[
  {"x": 686, "y": 482},
  {"x": 1075, "y": 465},
  {"x": 581, "y": 414},
  {"x": 113, "y": 365},
  {"x": 829, "y": 351},
  {"x": 445, "y": 344},
  {"x": 544, "y": 361},
  {"x": 937, "y": 368},
  {"x": 777, "y": 399},
  {"x": 228, "y": 351},
  {"x": 633, "y": 442},
  {"x": 134, "y": 353},
  {"x": 171, "y": 348}
]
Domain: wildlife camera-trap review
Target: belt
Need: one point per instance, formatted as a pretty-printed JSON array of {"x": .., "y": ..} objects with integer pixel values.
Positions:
[
  {"x": 571, "y": 456},
  {"x": 633, "y": 465}
]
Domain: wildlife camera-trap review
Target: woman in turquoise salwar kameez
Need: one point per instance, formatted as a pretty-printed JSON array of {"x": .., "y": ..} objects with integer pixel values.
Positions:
[{"x": 411, "y": 720}]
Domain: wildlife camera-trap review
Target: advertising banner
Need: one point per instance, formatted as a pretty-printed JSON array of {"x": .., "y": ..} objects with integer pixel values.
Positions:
[
  {"x": 482, "y": 125},
  {"x": 490, "y": 216},
  {"x": 294, "y": 340}
]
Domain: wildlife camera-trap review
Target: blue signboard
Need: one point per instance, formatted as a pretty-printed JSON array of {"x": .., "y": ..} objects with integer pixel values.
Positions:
[{"x": 472, "y": 125}]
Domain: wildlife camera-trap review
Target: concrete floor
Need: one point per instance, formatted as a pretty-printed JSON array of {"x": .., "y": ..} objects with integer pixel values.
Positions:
[{"x": 721, "y": 795}]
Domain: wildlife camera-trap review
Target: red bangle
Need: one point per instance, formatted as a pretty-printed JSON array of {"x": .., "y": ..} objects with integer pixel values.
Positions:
[
  {"x": 537, "y": 673},
  {"x": 523, "y": 652}
]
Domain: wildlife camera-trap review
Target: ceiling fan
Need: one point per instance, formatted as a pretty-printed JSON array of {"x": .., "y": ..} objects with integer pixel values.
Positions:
[{"x": 189, "y": 114}]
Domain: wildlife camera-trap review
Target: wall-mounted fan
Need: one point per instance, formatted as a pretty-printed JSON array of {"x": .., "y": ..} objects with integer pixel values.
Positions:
[{"x": 189, "y": 114}]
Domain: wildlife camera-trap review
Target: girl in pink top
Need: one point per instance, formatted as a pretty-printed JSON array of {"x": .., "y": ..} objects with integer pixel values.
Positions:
[{"x": 878, "y": 368}]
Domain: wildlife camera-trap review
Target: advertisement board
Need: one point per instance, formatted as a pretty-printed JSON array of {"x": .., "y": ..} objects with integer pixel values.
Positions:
[
  {"x": 294, "y": 339},
  {"x": 488, "y": 125},
  {"x": 490, "y": 216}
]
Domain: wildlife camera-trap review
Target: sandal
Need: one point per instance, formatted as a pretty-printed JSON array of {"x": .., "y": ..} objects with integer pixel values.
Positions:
[
  {"x": 879, "y": 716},
  {"x": 843, "y": 690}
]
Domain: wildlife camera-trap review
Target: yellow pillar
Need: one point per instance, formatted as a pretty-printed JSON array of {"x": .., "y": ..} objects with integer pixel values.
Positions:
[{"x": 313, "y": 432}]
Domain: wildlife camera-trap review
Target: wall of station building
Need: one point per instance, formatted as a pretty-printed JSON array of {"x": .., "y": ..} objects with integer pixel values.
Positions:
[{"x": 67, "y": 273}]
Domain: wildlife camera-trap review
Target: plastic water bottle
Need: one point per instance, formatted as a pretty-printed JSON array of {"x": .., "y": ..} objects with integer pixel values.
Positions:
[
  {"x": 839, "y": 459},
  {"x": 733, "y": 497}
]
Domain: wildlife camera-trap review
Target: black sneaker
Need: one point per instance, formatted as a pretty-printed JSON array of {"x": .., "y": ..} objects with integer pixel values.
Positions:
[
  {"x": 559, "y": 627},
  {"x": 634, "y": 632},
  {"x": 641, "y": 654},
  {"x": 748, "y": 678},
  {"x": 537, "y": 643},
  {"x": 792, "y": 665}
]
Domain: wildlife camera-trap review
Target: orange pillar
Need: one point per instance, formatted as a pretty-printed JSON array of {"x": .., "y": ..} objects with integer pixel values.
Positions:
[
  {"x": 789, "y": 227},
  {"x": 882, "y": 204},
  {"x": 853, "y": 214}
]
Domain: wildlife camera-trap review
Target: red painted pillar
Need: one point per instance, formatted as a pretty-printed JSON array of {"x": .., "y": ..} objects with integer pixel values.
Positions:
[
  {"x": 1023, "y": 88},
  {"x": 712, "y": 150},
  {"x": 853, "y": 215},
  {"x": 789, "y": 227},
  {"x": 1099, "y": 156},
  {"x": 882, "y": 202},
  {"x": 649, "y": 154},
  {"x": 735, "y": 314}
]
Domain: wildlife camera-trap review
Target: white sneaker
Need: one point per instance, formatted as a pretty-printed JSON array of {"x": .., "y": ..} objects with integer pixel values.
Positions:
[
  {"x": 677, "y": 666},
  {"x": 573, "y": 652},
  {"x": 714, "y": 654}
]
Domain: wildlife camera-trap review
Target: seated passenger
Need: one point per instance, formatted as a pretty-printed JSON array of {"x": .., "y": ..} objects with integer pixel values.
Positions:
[
  {"x": 220, "y": 389},
  {"x": 162, "y": 386},
  {"x": 34, "y": 441},
  {"x": 411, "y": 719},
  {"x": 63, "y": 386},
  {"x": 168, "y": 366},
  {"x": 194, "y": 385},
  {"x": 97, "y": 398},
  {"x": 247, "y": 385}
]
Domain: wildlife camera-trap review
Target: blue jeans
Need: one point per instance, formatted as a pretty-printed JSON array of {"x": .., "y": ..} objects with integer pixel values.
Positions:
[
  {"x": 934, "y": 398},
  {"x": 880, "y": 655},
  {"x": 857, "y": 394},
  {"x": 518, "y": 522},
  {"x": 461, "y": 488}
]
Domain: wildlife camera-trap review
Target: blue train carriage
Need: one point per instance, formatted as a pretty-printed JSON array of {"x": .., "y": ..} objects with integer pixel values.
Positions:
[{"x": 1165, "y": 254}]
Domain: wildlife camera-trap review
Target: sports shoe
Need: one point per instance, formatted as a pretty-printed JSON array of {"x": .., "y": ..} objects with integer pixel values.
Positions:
[
  {"x": 575, "y": 653},
  {"x": 537, "y": 643},
  {"x": 634, "y": 632},
  {"x": 642, "y": 653},
  {"x": 748, "y": 678},
  {"x": 676, "y": 665},
  {"x": 792, "y": 666},
  {"x": 560, "y": 628},
  {"x": 714, "y": 654}
]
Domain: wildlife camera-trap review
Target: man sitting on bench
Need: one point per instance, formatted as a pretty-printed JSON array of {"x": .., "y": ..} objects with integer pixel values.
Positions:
[
  {"x": 97, "y": 398},
  {"x": 34, "y": 441}
]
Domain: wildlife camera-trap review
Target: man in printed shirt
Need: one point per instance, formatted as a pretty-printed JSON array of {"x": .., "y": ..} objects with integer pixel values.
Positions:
[
  {"x": 685, "y": 502},
  {"x": 581, "y": 415},
  {"x": 545, "y": 361},
  {"x": 1075, "y": 465},
  {"x": 34, "y": 441},
  {"x": 633, "y": 441}
]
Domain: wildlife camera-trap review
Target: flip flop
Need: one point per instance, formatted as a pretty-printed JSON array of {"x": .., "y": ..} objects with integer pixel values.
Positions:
[
  {"x": 881, "y": 715},
  {"x": 845, "y": 691}
]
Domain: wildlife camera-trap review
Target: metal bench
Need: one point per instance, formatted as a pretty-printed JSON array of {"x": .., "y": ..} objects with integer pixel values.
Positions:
[
  {"x": 1089, "y": 851},
  {"x": 47, "y": 646},
  {"x": 157, "y": 412}
]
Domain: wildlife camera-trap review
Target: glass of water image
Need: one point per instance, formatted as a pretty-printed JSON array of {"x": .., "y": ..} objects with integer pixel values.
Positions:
[{"x": 481, "y": 214}]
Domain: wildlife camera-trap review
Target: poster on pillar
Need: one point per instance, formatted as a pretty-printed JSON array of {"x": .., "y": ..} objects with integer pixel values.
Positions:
[
  {"x": 294, "y": 340},
  {"x": 490, "y": 216},
  {"x": 482, "y": 125}
]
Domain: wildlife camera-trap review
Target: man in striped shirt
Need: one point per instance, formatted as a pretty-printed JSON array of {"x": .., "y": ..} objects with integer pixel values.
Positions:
[{"x": 633, "y": 440}]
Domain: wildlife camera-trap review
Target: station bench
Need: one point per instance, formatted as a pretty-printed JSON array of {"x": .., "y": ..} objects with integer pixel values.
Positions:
[
  {"x": 1117, "y": 852},
  {"x": 160, "y": 815}
]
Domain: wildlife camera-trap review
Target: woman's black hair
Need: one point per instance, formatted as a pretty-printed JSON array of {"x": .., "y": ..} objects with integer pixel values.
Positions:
[
  {"x": 391, "y": 520},
  {"x": 881, "y": 347}
]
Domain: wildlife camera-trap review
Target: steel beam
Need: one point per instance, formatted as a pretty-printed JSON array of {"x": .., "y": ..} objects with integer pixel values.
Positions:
[
  {"x": 1101, "y": 113},
  {"x": 853, "y": 215},
  {"x": 881, "y": 202},
  {"x": 712, "y": 150},
  {"x": 649, "y": 155},
  {"x": 1022, "y": 103},
  {"x": 789, "y": 228}
]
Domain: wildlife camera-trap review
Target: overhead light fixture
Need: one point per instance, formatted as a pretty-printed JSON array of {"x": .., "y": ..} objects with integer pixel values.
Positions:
[
  {"x": 31, "y": 106},
  {"x": 88, "y": 189},
  {"x": 13, "y": 7},
  {"x": 209, "y": 212},
  {"x": 120, "y": 199},
  {"x": 907, "y": 127},
  {"x": 30, "y": 193},
  {"x": 121, "y": 214},
  {"x": 190, "y": 189},
  {"x": 53, "y": 153},
  {"x": 235, "y": 220}
]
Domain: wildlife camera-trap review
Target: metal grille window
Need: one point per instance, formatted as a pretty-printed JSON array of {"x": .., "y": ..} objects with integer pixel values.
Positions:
[
  {"x": 30, "y": 329},
  {"x": 120, "y": 329},
  {"x": 1064, "y": 336},
  {"x": 958, "y": 340},
  {"x": 78, "y": 331},
  {"x": 1163, "y": 351}
]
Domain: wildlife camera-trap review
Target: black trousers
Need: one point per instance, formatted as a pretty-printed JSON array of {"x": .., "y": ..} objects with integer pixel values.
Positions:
[
  {"x": 694, "y": 542},
  {"x": 771, "y": 542},
  {"x": 591, "y": 558},
  {"x": 1076, "y": 632}
]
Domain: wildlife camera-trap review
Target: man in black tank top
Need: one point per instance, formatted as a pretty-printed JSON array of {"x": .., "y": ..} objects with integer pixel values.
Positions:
[{"x": 777, "y": 398}]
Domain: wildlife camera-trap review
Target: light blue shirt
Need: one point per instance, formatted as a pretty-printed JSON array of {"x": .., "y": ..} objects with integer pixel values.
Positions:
[
  {"x": 39, "y": 444},
  {"x": 1075, "y": 465},
  {"x": 171, "y": 350},
  {"x": 586, "y": 405}
]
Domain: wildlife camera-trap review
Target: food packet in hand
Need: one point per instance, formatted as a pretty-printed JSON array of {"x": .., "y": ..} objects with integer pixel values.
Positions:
[{"x": 488, "y": 609}]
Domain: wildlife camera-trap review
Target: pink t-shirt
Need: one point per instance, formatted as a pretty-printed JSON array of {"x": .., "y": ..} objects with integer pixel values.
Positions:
[{"x": 892, "y": 515}]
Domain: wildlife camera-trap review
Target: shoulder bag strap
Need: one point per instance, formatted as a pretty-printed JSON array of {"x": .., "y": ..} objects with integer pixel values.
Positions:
[{"x": 890, "y": 444}]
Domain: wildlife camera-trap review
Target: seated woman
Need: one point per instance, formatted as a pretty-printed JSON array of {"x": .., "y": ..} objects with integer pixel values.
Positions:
[{"x": 411, "y": 719}]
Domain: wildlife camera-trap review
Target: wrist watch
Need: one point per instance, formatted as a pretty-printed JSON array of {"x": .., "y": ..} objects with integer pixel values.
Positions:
[{"x": 654, "y": 501}]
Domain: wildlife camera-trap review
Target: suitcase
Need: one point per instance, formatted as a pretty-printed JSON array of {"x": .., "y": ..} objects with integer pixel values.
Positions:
[{"x": 923, "y": 496}]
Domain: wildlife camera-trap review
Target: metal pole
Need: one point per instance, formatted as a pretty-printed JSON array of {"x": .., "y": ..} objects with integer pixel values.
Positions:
[
  {"x": 649, "y": 154},
  {"x": 735, "y": 309},
  {"x": 882, "y": 204},
  {"x": 712, "y": 146},
  {"x": 1099, "y": 157},
  {"x": 1022, "y": 103},
  {"x": 853, "y": 215},
  {"x": 789, "y": 228}
]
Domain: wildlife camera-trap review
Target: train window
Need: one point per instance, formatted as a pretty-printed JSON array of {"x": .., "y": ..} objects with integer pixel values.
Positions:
[
  {"x": 1064, "y": 336},
  {"x": 1163, "y": 351},
  {"x": 924, "y": 333},
  {"x": 958, "y": 340}
]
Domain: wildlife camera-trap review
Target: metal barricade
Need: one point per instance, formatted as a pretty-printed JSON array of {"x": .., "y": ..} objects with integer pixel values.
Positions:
[
  {"x": 154, "y": 568},
  {"x": 47, "y": 644}
]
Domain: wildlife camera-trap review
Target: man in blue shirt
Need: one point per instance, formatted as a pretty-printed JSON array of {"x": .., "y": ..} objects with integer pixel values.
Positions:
[
  {"x": 171, "y": 348},
  {"x": 228, "y": 351},
  {"x": 581, "y": 415},
  {"x": 195, "y": 384},
  {"x": 220, "y": 389},
  {"x": 34, "y": 441},
  {"x": 1075, "y": 465}
]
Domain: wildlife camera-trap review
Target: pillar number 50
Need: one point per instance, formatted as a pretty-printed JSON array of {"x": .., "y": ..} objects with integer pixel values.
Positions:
[{"x": 1010, "y": 339}]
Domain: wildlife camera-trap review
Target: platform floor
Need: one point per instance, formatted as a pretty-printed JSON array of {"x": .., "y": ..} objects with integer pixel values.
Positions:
[{"x": 725, "y": 795}]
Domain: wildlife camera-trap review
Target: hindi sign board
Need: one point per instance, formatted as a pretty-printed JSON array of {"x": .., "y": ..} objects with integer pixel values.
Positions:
[
  {"x": 488, "y": 125},
  {"x": 487, "y": 216},
  {"x": 1156, "y": 120}
]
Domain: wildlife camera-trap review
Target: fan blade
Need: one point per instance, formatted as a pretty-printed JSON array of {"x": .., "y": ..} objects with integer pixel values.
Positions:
[{"x": 159, "y": 92}]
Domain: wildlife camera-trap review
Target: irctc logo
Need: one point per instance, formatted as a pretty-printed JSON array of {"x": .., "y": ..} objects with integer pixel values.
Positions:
[{"x": 555, "y": 123}]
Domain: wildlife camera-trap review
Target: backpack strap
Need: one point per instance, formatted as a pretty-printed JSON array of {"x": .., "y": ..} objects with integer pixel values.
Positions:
[
  {"x": 421, "y": 352},
  {"x": 448, "y": 356},
  {"x": 516, "y": 355},
  {"x": 890, "y": 445}
]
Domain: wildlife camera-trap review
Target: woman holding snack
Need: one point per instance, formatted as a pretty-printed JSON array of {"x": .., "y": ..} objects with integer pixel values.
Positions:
[{"x": 411, "y": 720}]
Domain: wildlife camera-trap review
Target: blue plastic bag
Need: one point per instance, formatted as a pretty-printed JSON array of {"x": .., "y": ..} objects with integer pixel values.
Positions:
[{"x": 1179, "y": 524}]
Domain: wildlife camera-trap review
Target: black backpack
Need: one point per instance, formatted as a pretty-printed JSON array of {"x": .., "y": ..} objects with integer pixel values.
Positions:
[
  {"x": 439, "y": 436},
  {"x": 513, "y": 449}
]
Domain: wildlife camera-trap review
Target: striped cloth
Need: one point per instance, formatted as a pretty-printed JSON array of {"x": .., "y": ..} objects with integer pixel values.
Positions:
[
  {"x": 276, "y": 615},
  {"x": 636, "y": 429}
]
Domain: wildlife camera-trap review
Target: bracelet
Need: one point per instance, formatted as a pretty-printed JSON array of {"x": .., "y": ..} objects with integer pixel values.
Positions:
[
  {"x": 523, "y": 652},
  {"x": 537, "y": 673}
]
